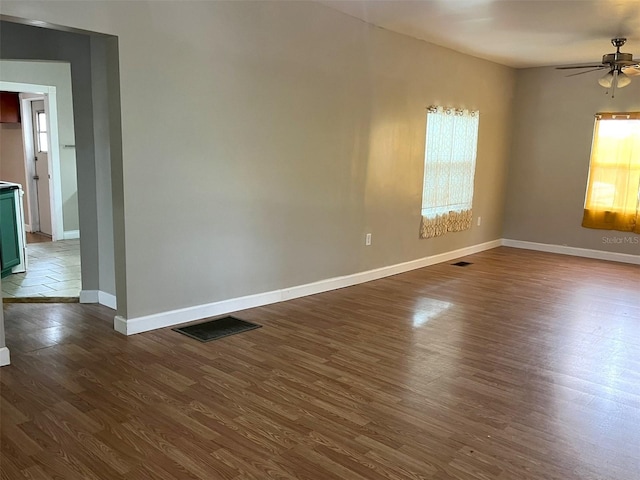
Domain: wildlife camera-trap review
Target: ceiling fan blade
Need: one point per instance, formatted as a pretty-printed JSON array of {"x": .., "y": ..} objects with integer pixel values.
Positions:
[
  {"x": 588, "y": 71},
  {"x": 599, "y": 65}
]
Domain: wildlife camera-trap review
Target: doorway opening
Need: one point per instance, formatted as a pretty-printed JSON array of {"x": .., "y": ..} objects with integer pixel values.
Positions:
[
  {"x": 29, "y": 49},
  {"x": 37, "y": 169},
  {"x": 53, "y": 268}
]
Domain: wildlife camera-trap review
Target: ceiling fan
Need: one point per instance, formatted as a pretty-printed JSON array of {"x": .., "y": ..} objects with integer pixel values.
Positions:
[{"x": 621, "y": 66}]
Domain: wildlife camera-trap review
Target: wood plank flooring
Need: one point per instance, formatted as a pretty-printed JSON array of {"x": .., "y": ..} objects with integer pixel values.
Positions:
[{"x": 523, "y": 366}]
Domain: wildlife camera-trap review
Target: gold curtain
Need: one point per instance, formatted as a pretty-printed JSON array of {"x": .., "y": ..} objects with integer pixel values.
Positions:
[{"x": 613, "y": 191}]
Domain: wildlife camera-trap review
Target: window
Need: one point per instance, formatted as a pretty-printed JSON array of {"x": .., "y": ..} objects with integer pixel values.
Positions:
[
  {"x": 612, "y": 201},
  {"x": 449, "y": 169},
  {"x": 41, "y": 131}
]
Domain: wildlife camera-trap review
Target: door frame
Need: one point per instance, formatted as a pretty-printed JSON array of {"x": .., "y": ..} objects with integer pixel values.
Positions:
[
  {"x": 26, "y": 100},
  {"x": 48, "y": 94}
]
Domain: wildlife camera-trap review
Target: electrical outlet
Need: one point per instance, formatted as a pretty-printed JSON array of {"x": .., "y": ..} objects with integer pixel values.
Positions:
[
  {"x": 479, "y": 220},
  {"x": 367, "y": 240}
]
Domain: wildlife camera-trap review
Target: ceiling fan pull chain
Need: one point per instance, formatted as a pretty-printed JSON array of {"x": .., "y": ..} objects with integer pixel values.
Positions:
[{"x": 614, "y": 83}]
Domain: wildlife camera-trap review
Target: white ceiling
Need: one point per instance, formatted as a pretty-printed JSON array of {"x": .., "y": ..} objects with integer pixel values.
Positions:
[{"x": 517, "y": 33}]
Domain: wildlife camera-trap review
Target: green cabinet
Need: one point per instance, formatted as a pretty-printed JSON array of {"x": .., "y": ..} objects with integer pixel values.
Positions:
[{"x": 9, "y": 244}]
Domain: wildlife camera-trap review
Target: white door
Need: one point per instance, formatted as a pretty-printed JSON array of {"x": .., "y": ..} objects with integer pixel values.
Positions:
[{"x": 41, "y": 176}]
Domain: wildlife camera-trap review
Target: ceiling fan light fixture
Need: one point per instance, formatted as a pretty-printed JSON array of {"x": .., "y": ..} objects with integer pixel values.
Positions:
[
  {"x": 607, "y": 80},
  {"x": 623, "y": 80}
]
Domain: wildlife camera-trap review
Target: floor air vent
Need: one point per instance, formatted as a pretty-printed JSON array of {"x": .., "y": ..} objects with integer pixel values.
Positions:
[
  {"x": 462, "y": 264},
  {"x": 217, "y": 328}
]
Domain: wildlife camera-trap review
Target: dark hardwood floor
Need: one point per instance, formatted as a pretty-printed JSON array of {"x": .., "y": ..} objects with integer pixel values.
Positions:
[{"x": 523, "y": 366}]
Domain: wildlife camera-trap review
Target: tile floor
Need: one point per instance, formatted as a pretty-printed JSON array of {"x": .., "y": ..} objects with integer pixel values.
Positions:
[{"x": 53, "y": 271}]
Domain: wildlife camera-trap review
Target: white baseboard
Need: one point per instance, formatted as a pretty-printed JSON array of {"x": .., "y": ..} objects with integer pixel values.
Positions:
[
  {"x": 174, "y": 317},
  {"x": 98, "y": 296},
  {"x": 368, "y": 276},
  {"x": 5, "y": 358},
  {"x": 107, "y": 299},
  {"x": 70, "y": 234},
  {"x": 27, "y": 228},
  {"x": 575, "y": 251}
]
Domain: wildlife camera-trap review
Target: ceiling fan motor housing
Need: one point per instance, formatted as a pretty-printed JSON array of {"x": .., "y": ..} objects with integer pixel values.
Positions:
[{"x": 618, "y": 58}]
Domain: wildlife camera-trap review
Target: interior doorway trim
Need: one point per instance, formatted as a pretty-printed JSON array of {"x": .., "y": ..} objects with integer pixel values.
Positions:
[
  {"x": 51, "y": 107},
  {"x": 26, "y": 100}
]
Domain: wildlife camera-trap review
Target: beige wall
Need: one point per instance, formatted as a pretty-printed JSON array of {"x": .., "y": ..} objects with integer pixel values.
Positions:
[
  {"x": 12, "y": 157},
  {"x": 293, "y": 128},
  {"x": 554, "y": 118}
]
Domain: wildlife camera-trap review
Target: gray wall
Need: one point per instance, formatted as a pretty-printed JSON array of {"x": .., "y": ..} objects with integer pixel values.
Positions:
[
  {"x": 101, "y": 93},
  {"x": 262, "y": 140},
  {"x": 554, "y": 118}
]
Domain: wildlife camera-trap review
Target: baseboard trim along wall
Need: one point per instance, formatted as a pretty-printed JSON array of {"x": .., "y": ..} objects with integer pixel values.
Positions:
[
  {"x": 98, "y": 296},
  {"x": 574, "y": 251},
  {"x": 5, "y": 358},
  {"x": 107, "y": 300},
  {"x": 88, "y": 296},
  {"x": 174, "y": 317},
  {"x": 70, "y": 234}
]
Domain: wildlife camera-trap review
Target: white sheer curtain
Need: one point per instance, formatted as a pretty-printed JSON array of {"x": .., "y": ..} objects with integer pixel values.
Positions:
[{"x": 449, "y": 170}]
